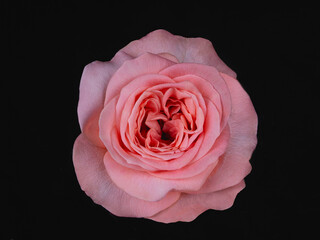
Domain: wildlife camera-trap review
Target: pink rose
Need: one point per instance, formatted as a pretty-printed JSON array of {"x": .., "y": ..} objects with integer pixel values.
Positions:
[{"x": 167, "y": 130}]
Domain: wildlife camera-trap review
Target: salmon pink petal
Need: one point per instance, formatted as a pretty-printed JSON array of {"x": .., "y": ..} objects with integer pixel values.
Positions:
[
  {"x": 207, "y": 91},
  {"x": 196, "y": 50},
  {"x": 110, "y": 138},
  {"x": 162, "y": 167},
  {"x": 199, "y": 165},
  {"x": 209, "y": 74},
  {"x": 144, "y": 186},
  {"x": 94, "y": 180},
  {"x": 130, "y": 105},
  {"x": 127, "y": 105},
  {"x": 145, "y": 64},
  {"x": 243, "y": 122},
  {"x": 211, "y": 130},
  {"x": 190, "y": 206}
]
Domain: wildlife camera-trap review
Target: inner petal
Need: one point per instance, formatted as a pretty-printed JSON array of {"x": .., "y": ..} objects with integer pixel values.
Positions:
[
  {"x": 172, "y": 98},
  {"x": 188, "y": 117},
  {"x": 171, "y": 129},
  {"x": 153, "y": 139},
  {"x": 173, "y": 107},
  {"x": 175, "y": 129},
  {"x": 163, "y": 122},
  {"x": 176, "y": 120}
]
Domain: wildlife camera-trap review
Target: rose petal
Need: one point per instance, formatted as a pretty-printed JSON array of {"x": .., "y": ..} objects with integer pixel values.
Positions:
[
  {"x": 144, "y": 186},
  {"x": 211, "y": 75},
  {"x": 144, "y": 64},
  {"x": 128, "y": 106},
  {"x": 207, "y": 91},
  {"x": 169, "y": 57},
  {"x": 162, "y": 167},
  {"x": 94, "y": 180},
  {"x": 195, "y": 50},
  {"x": 107, "y": 118},
  {"x": 199, "y": 165},
  {"x": 243, "y": 127},
  {"x": 93, "y": 84},
  {"x": 190, "y": 206},
  {"x": 211, "y": 129},
  {"x": 112, "y": 141},
  {"x": 91, "y": 129}
]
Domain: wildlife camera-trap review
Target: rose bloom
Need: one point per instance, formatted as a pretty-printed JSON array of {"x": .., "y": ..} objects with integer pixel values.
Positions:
[{"x": 167, "y": 130}]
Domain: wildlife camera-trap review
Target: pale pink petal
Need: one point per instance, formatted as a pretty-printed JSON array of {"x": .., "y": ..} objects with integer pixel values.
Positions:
[
  {"x": 243, "y": 122},
  {"x": 91, "y": 129},
  {"x": 144, "y": 186},
  {"x": 94, "y": 81},
  {"x": 94, "y": 180},
  {"x": 190, "y": 206},
  {"x": 93, "y": 84},
  {"x": 195, "y": 50},
  {"x": 144, "y": 64},
  {"x": 169, "y": 57}
]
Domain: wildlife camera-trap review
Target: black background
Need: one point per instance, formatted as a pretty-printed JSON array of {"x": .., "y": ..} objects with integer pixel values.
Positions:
[{"x": 274, "y": 51}]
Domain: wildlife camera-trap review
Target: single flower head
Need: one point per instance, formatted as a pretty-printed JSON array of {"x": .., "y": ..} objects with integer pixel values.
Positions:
[{"x": 167, "y": 130}]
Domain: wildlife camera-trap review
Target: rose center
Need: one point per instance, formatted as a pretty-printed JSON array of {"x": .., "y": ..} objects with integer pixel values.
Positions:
[
  {"x": 166, "y": 120},
  {"x": 164, "y": 135}
]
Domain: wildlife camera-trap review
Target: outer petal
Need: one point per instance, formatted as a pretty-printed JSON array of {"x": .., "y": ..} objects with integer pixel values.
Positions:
[
  {"x": 147, "y": 187},
  {"x": 190, "y": 206},
  {"x": 243, "y": 127},
  {"x": 94, "y": 180},
  {"x": 94, "y": 82},
  {"x": 195, "y": 50},
  {"x": 145, "y": 64}
]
